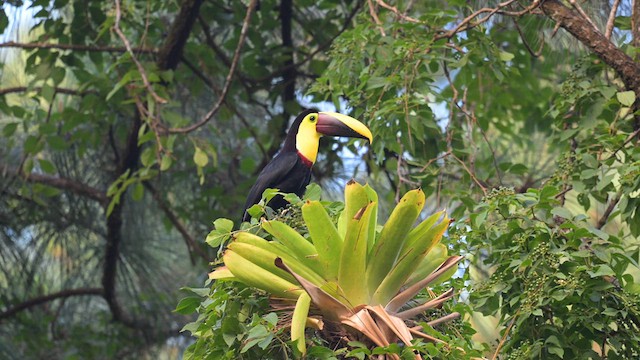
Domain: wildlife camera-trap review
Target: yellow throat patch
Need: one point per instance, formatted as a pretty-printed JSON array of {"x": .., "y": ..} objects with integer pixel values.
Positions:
[{"x": 307, "y": 138}]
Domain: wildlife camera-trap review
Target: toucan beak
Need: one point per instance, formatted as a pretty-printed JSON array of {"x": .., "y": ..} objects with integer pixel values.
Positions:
[{"x": 334, "y": 124}]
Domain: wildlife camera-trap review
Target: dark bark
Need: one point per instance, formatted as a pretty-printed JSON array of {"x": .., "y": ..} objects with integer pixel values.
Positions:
[
  {"x": 128, "y": 163},
  {"x": 57, "y": 90},
  {"x": 46, "y": 298},
  {"x": 168, "y": 59},
  {"x": 289, "y": 74},
  {"x": 75, "y": 47},
  {"x": 635, "y": 33},
  {"x": 171, "y": 51},
  {"x": 584, "y": 32},
  {"x": 179, "y": 225},
  {"x": 61, "y": 183}
]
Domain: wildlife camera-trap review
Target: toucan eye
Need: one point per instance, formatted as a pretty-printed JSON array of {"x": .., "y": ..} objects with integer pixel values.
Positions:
[{"x": 312, "y": 118}]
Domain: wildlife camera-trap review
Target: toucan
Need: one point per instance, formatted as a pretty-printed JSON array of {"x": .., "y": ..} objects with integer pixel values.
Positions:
[{"x": 290, "y": 170}]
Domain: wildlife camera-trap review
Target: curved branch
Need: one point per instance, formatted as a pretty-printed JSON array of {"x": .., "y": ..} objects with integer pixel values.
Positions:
[
  {"x": 61, "y": 183},
  {"x": 182, "y": 229},
  {"x": 467, "y": 23},
  {"x": 46, "y": 298},
  {"x": 227, "y": 84}
]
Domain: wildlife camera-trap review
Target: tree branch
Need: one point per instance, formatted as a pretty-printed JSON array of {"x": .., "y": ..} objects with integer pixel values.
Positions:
[
  {"x": 467, "y": 23},
  {"x": 227, "y": 84},
  {"x": 395, "y": 10},
  {"x": 289, "y": 75},
  {"x": 584, "y": 32},
  {"x": 175, "y": 220},
  {"x": 611, "y": 20},
  {"x": 141, "y": 70},
  {"x": 61, "y": 183},
  {"x": 321, "y": 47},
  {"x": 131, "y": 155},
  {"x": 607, "y": 212},
  {"x": 57, "y": 90},
  {"x": 171, "y": 51},
  {"x": 129, "y": 163},
  {"x": 75, "y": 47},
  {"x": 46, "y": 298}
]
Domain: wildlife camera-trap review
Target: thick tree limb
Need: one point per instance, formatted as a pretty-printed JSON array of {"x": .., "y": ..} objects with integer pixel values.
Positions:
[
  {"x": 75, "y": 47},
  {"x": 289, "y": 75},
  {"x": 61, "y": 183},
  {"x": 129, "y": 163},
  {"x": 174, "y": 45},
  {"x": 584, "y": 32},
  {"x": 46, "y": 298},
  {"x": 171, "y": 51}
]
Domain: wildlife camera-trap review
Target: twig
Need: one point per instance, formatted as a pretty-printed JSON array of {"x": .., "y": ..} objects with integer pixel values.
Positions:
[
  {"x": 626, "y": 141},
  {"x": 612, "y": 17},
  {"x": 607, "y": 212},
  {"x": 504, "y": 337},
  {"x": 466, "y": 24},
  {"x": 175, "y": 220},
  {"x": 473, "y": 177},
  {"x": 373, "y": 14},
  {"x": 397, "y": 12},
  {"x": 143, "y": 74},
  {"x": 431, "y": 161},
  {"x": 227, "y": 84},
  {"x": 242, "y": 118},
  {"x": 535, "y": 54},
  {"x": 493, "y": 153},
  {"x": 452, "y": 316},
  {"x": 577, "y": 6},
  {"x": 75, "y": 47},
  {"x": 311, "y": 55}
]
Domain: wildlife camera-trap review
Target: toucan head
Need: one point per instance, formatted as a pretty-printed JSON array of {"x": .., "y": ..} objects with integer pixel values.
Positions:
[{"x": 309, "y": 126}]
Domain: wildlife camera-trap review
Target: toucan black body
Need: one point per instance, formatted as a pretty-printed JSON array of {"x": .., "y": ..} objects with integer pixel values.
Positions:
[{"x": 290, "y": 170}]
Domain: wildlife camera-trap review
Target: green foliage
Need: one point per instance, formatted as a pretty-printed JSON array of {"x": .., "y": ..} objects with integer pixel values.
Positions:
[
  {"x": 327, "y": 270},
  {"x": 559, "y": 281},
  {"x": 89, "y": 176},
  {"x": 234, "y": 323},
  {"x": 526, "y": 140}
]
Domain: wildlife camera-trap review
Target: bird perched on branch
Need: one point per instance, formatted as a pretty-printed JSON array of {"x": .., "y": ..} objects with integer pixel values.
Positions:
[{"x": 290, "y": 170}]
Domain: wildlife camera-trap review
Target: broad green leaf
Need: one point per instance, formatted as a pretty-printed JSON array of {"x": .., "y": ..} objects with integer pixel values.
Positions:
[
  {"x": 200, "y": 158},
  {"x": 506, "y": 56},
  {"x": 325, "y": 237},
  {"x": 353, "y": 260},
  {"x": 626, "y": 98}
]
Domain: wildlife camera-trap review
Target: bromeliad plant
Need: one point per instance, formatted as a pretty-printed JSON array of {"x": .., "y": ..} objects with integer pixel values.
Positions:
[{"x": 346, "y": 274}]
